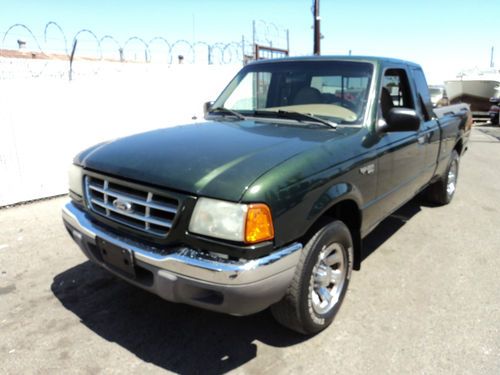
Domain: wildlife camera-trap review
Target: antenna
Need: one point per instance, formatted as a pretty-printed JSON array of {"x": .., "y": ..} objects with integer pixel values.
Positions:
[{"x": 492, "y": 63}]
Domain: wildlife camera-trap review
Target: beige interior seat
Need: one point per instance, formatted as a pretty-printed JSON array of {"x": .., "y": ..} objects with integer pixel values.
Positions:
[{"x": 307, "y": 95}]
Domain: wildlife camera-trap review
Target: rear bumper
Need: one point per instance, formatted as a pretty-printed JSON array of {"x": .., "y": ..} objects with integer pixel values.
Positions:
[{"x": 188, "y": 276}]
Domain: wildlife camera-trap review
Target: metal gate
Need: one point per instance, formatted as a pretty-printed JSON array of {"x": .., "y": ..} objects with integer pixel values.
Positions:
[{"x": 266, "y": 52}]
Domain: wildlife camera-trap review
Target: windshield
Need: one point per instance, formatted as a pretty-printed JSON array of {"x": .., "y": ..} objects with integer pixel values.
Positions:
[{"x": 333, "y": 90}]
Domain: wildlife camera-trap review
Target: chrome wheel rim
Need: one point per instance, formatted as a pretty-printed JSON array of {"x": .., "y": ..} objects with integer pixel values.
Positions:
[
  {"x": 328, "y": 278},
  {"x": 452, "y": 178}
]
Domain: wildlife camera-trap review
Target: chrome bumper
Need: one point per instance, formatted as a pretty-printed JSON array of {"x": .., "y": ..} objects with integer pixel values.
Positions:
[{"x": 187, "y": 262}]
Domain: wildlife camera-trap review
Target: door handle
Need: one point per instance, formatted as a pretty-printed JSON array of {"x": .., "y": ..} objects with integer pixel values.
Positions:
[{"x": 426, "y": 138}]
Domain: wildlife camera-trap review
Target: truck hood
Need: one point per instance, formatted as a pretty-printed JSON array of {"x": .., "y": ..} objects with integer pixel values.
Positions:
[{"x": 214, "y": 159}]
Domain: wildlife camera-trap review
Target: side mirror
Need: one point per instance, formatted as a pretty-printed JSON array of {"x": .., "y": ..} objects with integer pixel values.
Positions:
[
  {"x": 206, "y": 107},
  {"x": 401, "y": 120}
]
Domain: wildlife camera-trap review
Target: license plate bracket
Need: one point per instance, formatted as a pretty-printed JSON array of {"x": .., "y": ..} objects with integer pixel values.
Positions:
[{"x": 117, "y": 257}]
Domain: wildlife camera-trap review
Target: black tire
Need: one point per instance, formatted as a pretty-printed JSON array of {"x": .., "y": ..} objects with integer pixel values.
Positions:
[
  {"x": 441, "y": 192},
  {"x": 298, "y": 309}
]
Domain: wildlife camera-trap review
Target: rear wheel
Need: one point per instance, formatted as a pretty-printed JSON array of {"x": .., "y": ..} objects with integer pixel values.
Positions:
[
  {"x": 320, "y": 282},
  {"x": 442, "y": 191}
]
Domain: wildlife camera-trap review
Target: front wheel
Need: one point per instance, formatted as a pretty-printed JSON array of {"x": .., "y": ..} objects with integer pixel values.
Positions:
[{"x": 320, "y": 282}]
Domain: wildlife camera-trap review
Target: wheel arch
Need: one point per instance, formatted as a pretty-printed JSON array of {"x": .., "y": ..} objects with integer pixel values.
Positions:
[
  {"x": 459, "y": 146},
  {"x": 344, "y": 206}
]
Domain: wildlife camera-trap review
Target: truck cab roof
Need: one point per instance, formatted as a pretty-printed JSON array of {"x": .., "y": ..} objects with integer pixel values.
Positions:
[{"x": 378, "y": 60}]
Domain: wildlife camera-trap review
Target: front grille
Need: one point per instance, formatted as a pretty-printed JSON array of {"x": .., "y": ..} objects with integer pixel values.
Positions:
[{"x": 135, "y": 207}]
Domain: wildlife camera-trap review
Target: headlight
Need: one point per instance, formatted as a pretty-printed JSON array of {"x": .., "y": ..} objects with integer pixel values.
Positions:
[
  {"x": 250, "y": 223},
  {"x": 75, "y": 179}
]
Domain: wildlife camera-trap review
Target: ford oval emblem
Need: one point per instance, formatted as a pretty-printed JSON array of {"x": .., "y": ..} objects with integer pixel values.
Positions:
[{"x": 122, "y": 205}]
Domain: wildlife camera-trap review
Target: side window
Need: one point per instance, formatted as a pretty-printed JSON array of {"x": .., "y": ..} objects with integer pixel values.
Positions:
[
  {"x": 423, "y": 95},
  {"x": 395, "y": 92},
  {"x": 396, "y": 83}
]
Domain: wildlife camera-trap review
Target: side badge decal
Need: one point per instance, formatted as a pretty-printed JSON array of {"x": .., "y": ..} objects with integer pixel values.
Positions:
[{"x": 367, "y": 169}]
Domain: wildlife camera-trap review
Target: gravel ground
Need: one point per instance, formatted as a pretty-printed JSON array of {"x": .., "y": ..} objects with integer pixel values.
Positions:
[{"x": 427, "y": 300}]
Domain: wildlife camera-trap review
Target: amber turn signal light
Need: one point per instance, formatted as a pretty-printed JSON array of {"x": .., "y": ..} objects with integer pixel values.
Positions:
[{"x": 259, "y": 224}]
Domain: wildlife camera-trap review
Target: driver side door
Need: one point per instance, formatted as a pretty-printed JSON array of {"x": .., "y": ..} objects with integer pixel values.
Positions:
[{"x": 401, "y": 155}]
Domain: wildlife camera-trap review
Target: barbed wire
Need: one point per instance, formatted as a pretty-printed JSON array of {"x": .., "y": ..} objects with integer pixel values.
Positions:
[
  {"x": 270, "y": 34},
  {"x": 265, "y": 32},
  {"x": 52, "y": 23},
  {"x": 88, "y": 45}
]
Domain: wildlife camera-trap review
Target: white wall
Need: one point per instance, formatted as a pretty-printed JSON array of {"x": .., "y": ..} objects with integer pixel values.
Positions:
[{"x": 45, "y": 119}]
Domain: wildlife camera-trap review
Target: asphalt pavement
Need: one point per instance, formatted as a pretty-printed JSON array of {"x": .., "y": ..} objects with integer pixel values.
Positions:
[{"x": 426, "y": 301}]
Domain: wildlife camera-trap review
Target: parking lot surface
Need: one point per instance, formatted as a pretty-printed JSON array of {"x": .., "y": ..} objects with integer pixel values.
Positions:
[{"x": 427, "y": 300}]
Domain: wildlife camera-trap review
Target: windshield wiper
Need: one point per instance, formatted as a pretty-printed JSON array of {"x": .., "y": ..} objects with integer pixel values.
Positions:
[
  {"x": 299, "y": 116},
  {"x": 227, "y": 111}
]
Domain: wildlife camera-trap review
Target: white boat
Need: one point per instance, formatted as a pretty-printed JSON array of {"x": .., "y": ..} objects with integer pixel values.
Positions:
[{"x": 475, "y": 87}]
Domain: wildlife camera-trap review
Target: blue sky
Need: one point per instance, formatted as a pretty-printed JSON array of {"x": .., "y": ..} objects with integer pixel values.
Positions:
[{"x": 444, "y": 36}]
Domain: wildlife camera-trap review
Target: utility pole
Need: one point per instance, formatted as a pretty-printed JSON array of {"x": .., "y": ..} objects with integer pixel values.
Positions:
[{"x": 317, "y": 34}]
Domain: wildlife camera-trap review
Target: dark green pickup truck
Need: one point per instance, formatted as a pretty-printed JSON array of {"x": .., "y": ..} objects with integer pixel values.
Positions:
[{"x": 267, "y": 202}]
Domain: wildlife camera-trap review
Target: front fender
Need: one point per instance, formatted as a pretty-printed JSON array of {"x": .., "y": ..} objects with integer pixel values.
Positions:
[
  {"x": 341, "y": 201},
  {"x": 336, "y": 193},
  {"x": 298, "y": 207}
]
